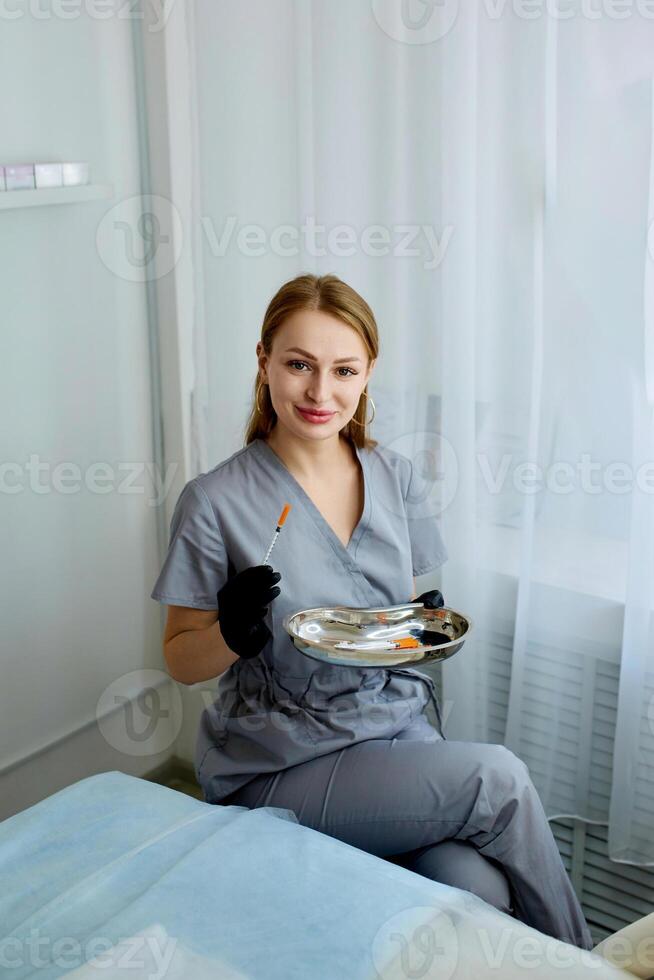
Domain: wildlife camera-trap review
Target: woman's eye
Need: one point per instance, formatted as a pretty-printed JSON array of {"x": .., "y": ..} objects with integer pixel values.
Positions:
[{"x": 303, "y": 363}]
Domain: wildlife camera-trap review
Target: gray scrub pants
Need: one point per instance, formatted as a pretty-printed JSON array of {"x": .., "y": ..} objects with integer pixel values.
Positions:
[{"x": 461, "y": 813}]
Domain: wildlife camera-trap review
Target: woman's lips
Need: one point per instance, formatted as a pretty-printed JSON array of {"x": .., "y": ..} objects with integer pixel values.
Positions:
[{"x": 312, "y": 417}]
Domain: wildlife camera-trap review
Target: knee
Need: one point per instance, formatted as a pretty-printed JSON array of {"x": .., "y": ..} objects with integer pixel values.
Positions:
[
  {"x": 459, "y": 864},
  {"x": 507, "y": 765},
  {"x": 505, "y": 778}
]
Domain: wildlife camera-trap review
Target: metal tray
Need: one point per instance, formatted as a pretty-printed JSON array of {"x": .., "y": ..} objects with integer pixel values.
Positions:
[{"x": 384, "y": 636}]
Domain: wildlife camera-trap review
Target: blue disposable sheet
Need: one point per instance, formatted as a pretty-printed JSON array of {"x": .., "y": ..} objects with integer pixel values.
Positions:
[{"x": 250, "y": 890}]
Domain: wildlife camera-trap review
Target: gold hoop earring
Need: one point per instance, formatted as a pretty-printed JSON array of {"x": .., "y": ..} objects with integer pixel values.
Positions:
[
  {"x": 259, "y": 408},
  {"x": 368, "y": 421}
]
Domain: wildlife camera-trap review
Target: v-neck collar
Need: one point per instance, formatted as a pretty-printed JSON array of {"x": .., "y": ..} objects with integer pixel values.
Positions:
[{"x": 323, "y": 524}]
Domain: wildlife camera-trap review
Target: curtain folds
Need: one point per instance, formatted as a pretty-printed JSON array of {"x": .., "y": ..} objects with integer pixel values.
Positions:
[{"x": 487, "y": 185}]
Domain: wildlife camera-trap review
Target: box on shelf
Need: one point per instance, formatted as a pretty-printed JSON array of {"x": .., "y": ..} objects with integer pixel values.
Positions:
[
  {"x": 48, "y": 174},
  {"x": 75, "y": 174},
  {"x": 19, "y": 176}
]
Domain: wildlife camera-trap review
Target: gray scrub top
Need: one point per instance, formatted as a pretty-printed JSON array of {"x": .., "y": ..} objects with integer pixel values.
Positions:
[{"x": 281, "y": 707}]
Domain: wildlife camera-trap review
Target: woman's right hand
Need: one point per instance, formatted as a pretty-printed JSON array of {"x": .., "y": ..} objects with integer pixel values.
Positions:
[{"x": 242, "y": 606}]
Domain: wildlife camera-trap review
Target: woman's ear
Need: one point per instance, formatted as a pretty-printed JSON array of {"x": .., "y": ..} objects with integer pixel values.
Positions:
[{"x": 261, "y": 358}]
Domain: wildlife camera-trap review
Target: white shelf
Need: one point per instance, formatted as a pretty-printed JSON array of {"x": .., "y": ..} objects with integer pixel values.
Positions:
[{"x": 55, "y": 195}]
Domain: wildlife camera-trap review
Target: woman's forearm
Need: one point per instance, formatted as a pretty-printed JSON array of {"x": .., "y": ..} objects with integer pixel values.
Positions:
[
  {"x": 201, "y": 654},
  {"x": 198, "y": 655}
]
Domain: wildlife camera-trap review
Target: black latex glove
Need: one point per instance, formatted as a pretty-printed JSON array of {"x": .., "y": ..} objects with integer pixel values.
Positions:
[
  {"x": 242, "y": 606},
  {"x": 431, "y": 600}
]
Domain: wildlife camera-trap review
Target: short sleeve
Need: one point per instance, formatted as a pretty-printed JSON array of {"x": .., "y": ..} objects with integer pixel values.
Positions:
[
  {"x": 196, "y": 564},
  {"x": 428, "y": 549}
]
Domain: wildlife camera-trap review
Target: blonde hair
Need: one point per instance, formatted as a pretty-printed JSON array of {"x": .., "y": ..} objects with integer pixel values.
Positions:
[{"x": 328, "y": 294}]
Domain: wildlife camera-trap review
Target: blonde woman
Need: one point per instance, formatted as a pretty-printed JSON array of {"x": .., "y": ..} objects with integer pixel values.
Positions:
[{"x": 348, "y": 749}]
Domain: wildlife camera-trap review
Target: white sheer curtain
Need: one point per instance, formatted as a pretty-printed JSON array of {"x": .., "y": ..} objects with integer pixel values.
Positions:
[{"x": 494, "y": 183}]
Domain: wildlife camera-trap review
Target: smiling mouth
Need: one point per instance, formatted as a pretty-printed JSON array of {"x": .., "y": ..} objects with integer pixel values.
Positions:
[{"x": 312, "y": 411}]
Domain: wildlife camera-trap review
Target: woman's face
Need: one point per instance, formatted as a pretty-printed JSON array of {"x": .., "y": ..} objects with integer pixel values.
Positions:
[{"x": 303, "y": 373}]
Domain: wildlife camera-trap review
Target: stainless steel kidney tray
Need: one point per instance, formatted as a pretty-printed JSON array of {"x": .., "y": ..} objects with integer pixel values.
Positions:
[{"x": 384, "y": 636}]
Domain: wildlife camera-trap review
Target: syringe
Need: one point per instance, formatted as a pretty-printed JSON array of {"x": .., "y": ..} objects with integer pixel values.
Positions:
[{"x": 280, "y": 524}]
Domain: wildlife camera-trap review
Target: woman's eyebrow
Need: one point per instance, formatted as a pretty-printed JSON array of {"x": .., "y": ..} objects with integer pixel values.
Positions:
[{"x": 298, "y": 350}]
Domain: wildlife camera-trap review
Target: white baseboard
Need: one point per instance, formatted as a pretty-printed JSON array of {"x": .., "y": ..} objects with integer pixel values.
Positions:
[{"x": 93, "y": 748}]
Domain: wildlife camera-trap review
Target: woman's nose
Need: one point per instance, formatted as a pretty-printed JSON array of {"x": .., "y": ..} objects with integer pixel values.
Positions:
[{"x": 319, "y": 389}]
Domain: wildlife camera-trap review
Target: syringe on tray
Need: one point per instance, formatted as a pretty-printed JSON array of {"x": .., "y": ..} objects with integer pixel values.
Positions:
[{"x": 408, "y": 643}]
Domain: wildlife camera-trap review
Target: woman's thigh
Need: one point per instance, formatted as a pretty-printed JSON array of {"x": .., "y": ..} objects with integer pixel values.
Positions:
[
  {"x": 460, "y": 864},
  {"x": 390, "y": 796}
]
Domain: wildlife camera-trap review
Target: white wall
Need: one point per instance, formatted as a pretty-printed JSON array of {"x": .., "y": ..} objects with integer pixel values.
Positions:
[{"x": 77, "y": 567}]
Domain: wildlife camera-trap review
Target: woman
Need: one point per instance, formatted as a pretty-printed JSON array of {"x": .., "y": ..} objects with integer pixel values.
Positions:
[{"x": 348, "y": 749}]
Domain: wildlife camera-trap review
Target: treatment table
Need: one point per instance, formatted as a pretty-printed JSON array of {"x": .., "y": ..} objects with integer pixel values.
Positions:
[{"x": 116, "y": 876}]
